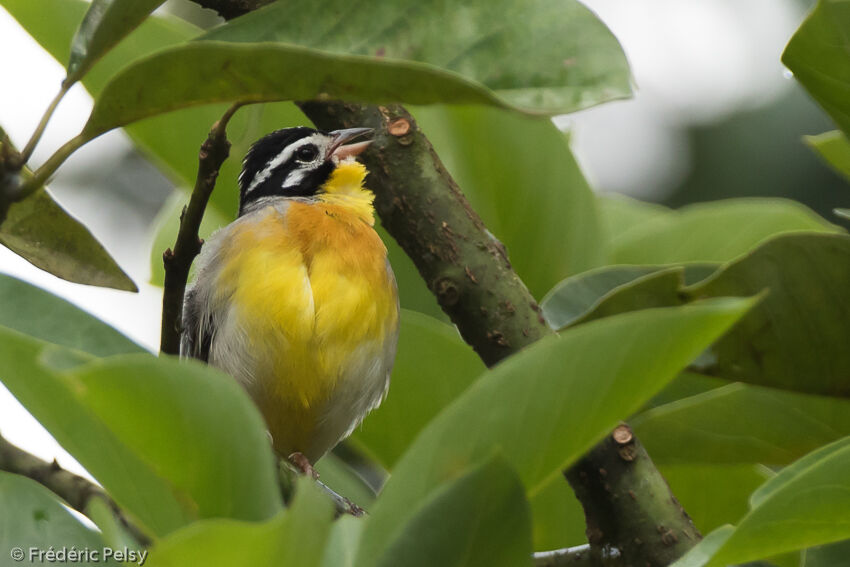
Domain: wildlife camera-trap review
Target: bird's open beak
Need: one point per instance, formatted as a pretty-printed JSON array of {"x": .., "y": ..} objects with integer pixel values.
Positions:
[{"x": 340, "y": 150}]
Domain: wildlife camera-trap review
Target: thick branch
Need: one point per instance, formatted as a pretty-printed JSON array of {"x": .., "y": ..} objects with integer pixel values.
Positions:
[
  {"x": 214, "y": 151},
  {"x": 77, "y": 491},
  {"x": 628, "y": 505}
]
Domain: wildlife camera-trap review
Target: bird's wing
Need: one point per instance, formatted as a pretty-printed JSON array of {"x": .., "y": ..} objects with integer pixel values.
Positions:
[{"x": 198, "y": 328}]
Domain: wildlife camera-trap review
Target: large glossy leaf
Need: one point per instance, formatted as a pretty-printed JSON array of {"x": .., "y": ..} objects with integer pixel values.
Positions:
[
  {"x": 817, "y": 54},
  {"x": 547, "y": 404},
  {"x": 171, "y": 441},
  {"x": 541, "y": 55},
  {"x": 520, "y": 176},
  {"x": 106, "y": 22},
  {"x": 797, "y": 337},
  {"x": 790, "y": 472},
  {"x": 833, "y": 555},
  {"x": 794, "y": 339},
  {"x": 740, "y": 423},
  {"x": 433, "y": 366},
  {"x": 341, "y": 547},
  {"x": 479, "y": 519},
  {"x": 293, "y": 538},
  {"x": 619, "y": 214},
  {"x": 44, "y": 234},
  {"x": 616, "y": 289},
  {"x": 712, "y": 494},
  {"x": 31, "y": 517},
  {"x": 210, "y": 72},
  {"x": 41, "y": 314},
  {"x": 713, "y": 232},
  {"x": 834, "y": 148},
  {"x": 557, "y": 517},
  {"x": 806, "y": 510}
]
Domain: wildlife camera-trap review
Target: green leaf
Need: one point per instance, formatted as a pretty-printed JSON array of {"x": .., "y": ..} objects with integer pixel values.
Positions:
[
  {"x": 797, "y": 337},
  {"x": 714, "y": 495},
  {"x": 432, "y": 367},
  {"x": 713, "y": 232},
  {"x": 701, "y": 553},
  {"x": 212, "y": 71},
  {"x": 341, "y": 548},
  {"x": 817, "y": 55},
  {"x": 540, "y": 55},
  {"x": 479, "y": 519},
  {"x": 521, "y": 177},
  {"x": 794, "y": 339},
  {"x": 45, "y": 235},
  {"x": 739, "y": 423},
  {"x": 41, "y": 314},
  {"x": 833, "y": 555},
  {"x": 172, "y": 441},
  {"x": 808, "y": 509},
  {"x": 293, "y": 538},
  {"x": 33, "y": 518},
  {"x": 790, "y": 472},
  {"x": 113, "y": 532},
  {"x": 546, "y": 405},
  {"x": 557, "y": 517},
  {"x": 106, "y": 22},
  {"x": 616, "y": 289},
  {"x": 619, "y": 214},
  {"x": 834, "y": 148}
]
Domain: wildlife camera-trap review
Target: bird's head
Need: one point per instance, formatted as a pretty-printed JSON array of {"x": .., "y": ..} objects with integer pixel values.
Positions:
[{"x": 295, "y": 162}]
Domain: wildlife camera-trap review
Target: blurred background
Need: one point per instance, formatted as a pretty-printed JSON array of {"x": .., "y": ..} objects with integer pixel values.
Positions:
[{"x": 715, "y": 115}]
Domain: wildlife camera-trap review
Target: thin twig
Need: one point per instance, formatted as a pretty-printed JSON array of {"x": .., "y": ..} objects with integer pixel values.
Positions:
[
  {"x": 579, "y": 556},
  {"x": 287, "y": 475},
  {"x": 214, "y": 151},
  {"x": 26, "y": 153},
  {"x": 77, "y": 491}
]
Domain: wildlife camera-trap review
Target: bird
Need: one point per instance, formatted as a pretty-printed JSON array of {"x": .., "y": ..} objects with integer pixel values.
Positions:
[{"x": 296, "y": 298}]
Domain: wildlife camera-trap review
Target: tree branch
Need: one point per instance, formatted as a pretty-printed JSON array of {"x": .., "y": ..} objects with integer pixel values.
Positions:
[
  {"x": 214, "y": 151},
  {"x": 77, "y": 491},
  {"x": 628, "y": 504}
]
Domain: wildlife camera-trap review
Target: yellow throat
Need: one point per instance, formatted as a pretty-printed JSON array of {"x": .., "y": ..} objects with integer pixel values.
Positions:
[{"x": 345, "y": 188}]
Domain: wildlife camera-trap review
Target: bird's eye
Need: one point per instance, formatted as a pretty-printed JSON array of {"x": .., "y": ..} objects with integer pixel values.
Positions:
[{"x": 307, "y": 153}]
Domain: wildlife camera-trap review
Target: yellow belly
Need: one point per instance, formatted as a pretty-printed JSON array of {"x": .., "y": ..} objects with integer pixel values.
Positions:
[{"x": 313, "y": 295}]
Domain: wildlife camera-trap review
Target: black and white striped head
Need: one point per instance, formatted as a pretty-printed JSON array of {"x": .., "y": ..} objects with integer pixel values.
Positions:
[{"x": 294, "y": 162}]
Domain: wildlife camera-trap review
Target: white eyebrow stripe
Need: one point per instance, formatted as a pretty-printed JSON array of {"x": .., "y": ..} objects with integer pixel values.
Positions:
[{"x": 282, "y": 157}]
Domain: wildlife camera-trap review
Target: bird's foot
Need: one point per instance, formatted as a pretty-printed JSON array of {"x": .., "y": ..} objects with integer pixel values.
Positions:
[{"x": 302, "y": 463}]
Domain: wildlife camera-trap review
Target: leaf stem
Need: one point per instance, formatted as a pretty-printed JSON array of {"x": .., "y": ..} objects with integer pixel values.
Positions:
[
  {"x": 49, "y": 167},
  {"x": 26, "y": 153}
]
